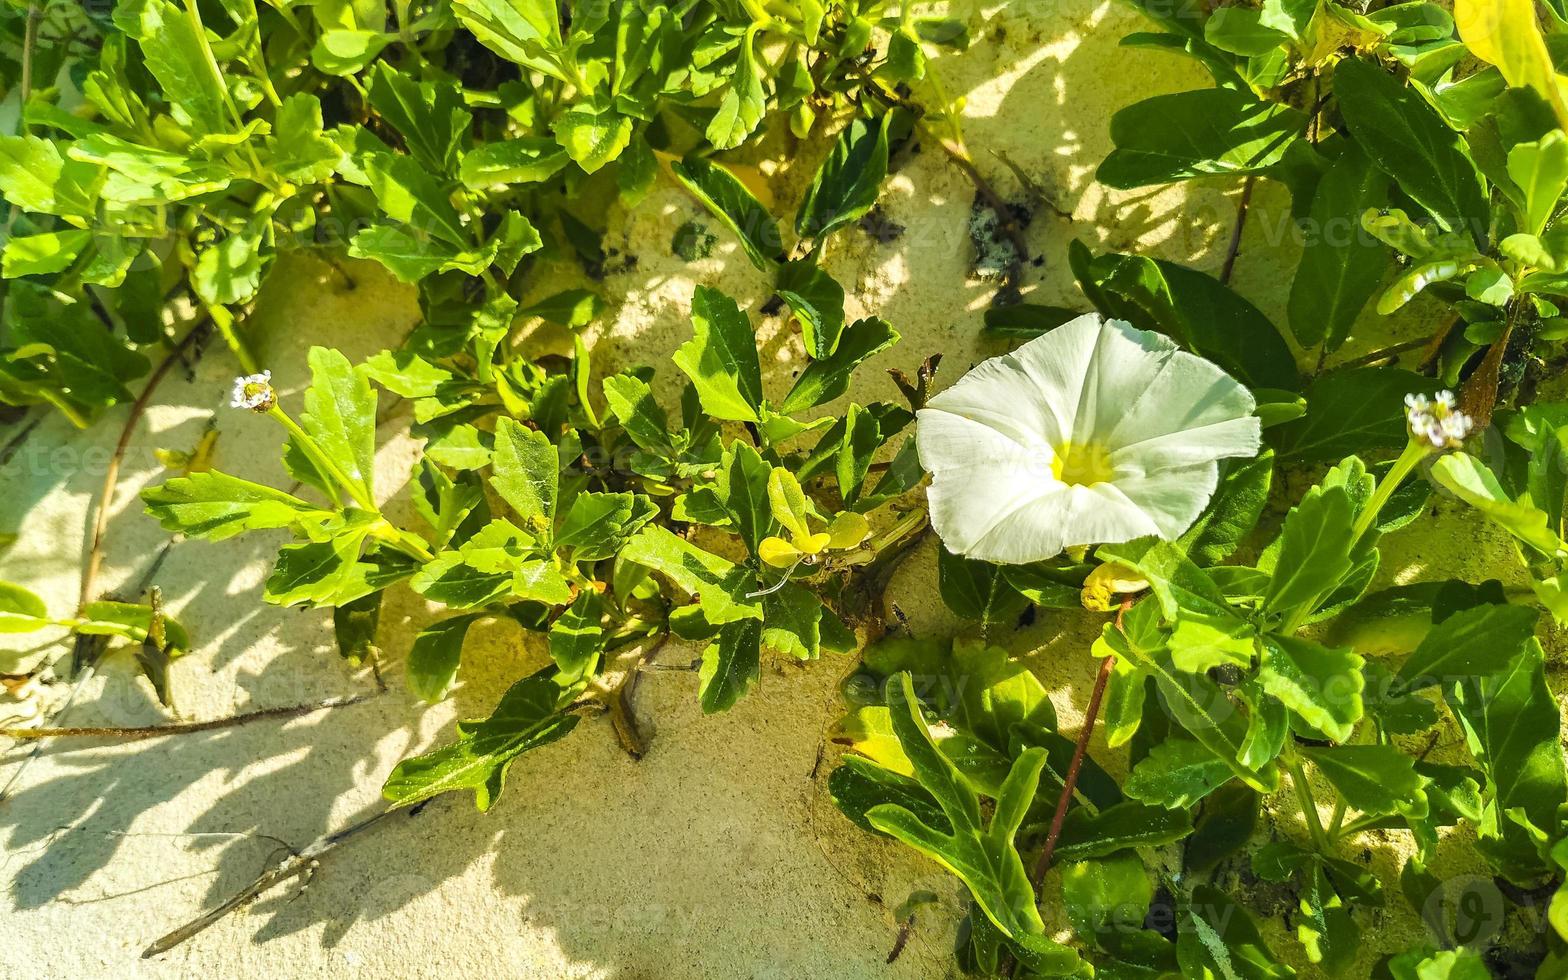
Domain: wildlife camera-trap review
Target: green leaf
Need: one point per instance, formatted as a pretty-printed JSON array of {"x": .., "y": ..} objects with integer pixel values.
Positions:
[
  {"x": 1471, "y": 481},
  {"x": 1225, "y": 826},
  {"x": 21, "y": 611},
  {"x": 1026, "y": 321},
  {"x": 410, "y": 194},
  {"x": 1483, "y": 639},
  {"x": 632, "y": 402},
  {"x": 1314, "y": 552},
  {"x": 526, "y": 718},
  {"x": 720, "y": 584},
  {"x": 229, "y": 270},
  {"x": 434, "y": 657},
  {"x": 1374, "y": 779},
  {"x": 731, "y": 665},
  {"x": 735, "y": 206},
  {"x": 1195, "y": 134},
  {"x": 742, "y": 488},
  {"x": 577, "y": 639},
  {"x": 215, "y": 506},
  {"x": 828, "y": 377},
  {"x": 721, "y": 358},
  {"x": 1087, "y": 835},
  {"x": 451, "y": 581},
  {"x": 524, "y": 160},
  {"x": 1193, "y": 699},
  {"x": 1241, "y": 30},
  {"x": 570, "y": 308},
  {"x": 320, "y": 573},
  {"x": 1193, "y": 308},
  {"x": 340, "y": 415},
  {"x": 175, "y": 54},
  {"x": 1341, "y": 267},
  {"x": 817, "y": 300},
  {"x": 430, "y": 116},
  {"x": 977, "y": 590},
  {"x": 597, "y": 524},
  {"x": 1540, "y": 169},
  {"x": 1219, "y": 941},
  {"x": 593, "y": 136},
  {"x": 858, "y": 785},
  {"x": 1407, "y": 138},
  {"x": 527, "y": 32},
  {"x": 846, "y": 185},
  {"x": 354, "y": 626},
  {"x": 1352, "y": 411},
  {"x": 43, "y": 254},
  {"x": 1176, "y": 774},
  {"x": 1511, "y": 725},
  {"x": 526, "y": 474},
  {"x": 408, "y": 255},
  {"x": 1321, "y": 684},
  {"x": 744, "y": 103},
  {"x": 984, "y": 858},
  {"x": 300, "y": 151},
  {"x": 1202, "y": 641},
  {"x": 1234, "y": 514},
  {"x": 30, "y": 172}
]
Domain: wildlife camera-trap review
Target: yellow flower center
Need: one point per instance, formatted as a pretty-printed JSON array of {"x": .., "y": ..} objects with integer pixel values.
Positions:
[{"x": 1083, "y": 465}]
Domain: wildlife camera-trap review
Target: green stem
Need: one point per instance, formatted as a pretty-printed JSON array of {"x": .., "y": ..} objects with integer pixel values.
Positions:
[
  {"x": 224, "y": 321},
  {"x": 322, "y": 460},
  {"x": 1336, "y": 825},
  {"x": 1309, "y": 805},
  {"x": 1414, "y": 453}
]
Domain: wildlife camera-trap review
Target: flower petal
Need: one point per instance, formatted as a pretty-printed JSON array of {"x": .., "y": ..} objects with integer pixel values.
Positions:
[
  {"x": 1061, "y": 517},
  {"x": 956, "y": 442},
  {"x": 1189, "y": 412},
  {"x": 1126, "y": 362},
  {"x": 1171, "y": 498}
]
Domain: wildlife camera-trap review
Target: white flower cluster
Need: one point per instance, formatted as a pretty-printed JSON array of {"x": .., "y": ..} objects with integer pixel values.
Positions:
[
  {"x": 1436, "y": 422},
  {"x": 254, "y": 392}
]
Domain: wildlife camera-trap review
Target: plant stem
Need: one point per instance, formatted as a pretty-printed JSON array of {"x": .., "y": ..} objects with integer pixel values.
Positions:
[
  {"x": 1080, "y": 749},
  {"x": 1337, "y": 823},
  {"x": 35, "y": 13},
  {"x": 111, "y": 475},
  {"x": 1408, "y": 460},
  {"x": 1234, "y": 248},
  {"x": 324, "y": 462},
  {"x": 1309, "y": 805},
  {"x": 224, "y": 320}
]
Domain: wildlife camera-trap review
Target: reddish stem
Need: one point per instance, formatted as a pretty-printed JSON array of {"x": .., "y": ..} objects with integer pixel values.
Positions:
[{"x": 1080, "y": 749}]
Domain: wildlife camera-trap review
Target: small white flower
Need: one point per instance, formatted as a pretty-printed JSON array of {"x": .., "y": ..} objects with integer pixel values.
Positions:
[
  {"x": 1095, "y": 433},
  {"x": 254, "y": 392},
  {"x": 1436, "y": 421}
]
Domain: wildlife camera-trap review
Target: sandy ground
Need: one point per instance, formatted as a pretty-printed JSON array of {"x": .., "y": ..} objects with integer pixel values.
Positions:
[{"x": 719, "y": 854}]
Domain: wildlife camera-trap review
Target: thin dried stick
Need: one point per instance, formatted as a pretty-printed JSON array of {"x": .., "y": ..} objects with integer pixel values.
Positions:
[
  {"x": 185, "y": 728},
  {"x": 111, "y": 476},
  {"x": 304, "y": 862}
]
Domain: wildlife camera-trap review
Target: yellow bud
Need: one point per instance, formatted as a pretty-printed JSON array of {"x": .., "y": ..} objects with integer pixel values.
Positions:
[
  {"x": 1108, "y": 581},
  {"x": 778, "y": 552},
  {"x": 815, "y": 544},
  {"x": 848, "y": 530}
]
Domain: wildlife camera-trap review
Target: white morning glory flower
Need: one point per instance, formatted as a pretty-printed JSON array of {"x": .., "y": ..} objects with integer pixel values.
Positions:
[
  {"x": 1436, "y": 422},
  {"x": 254, "y": 391},
  {"x": 1095, "y": 433}
]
